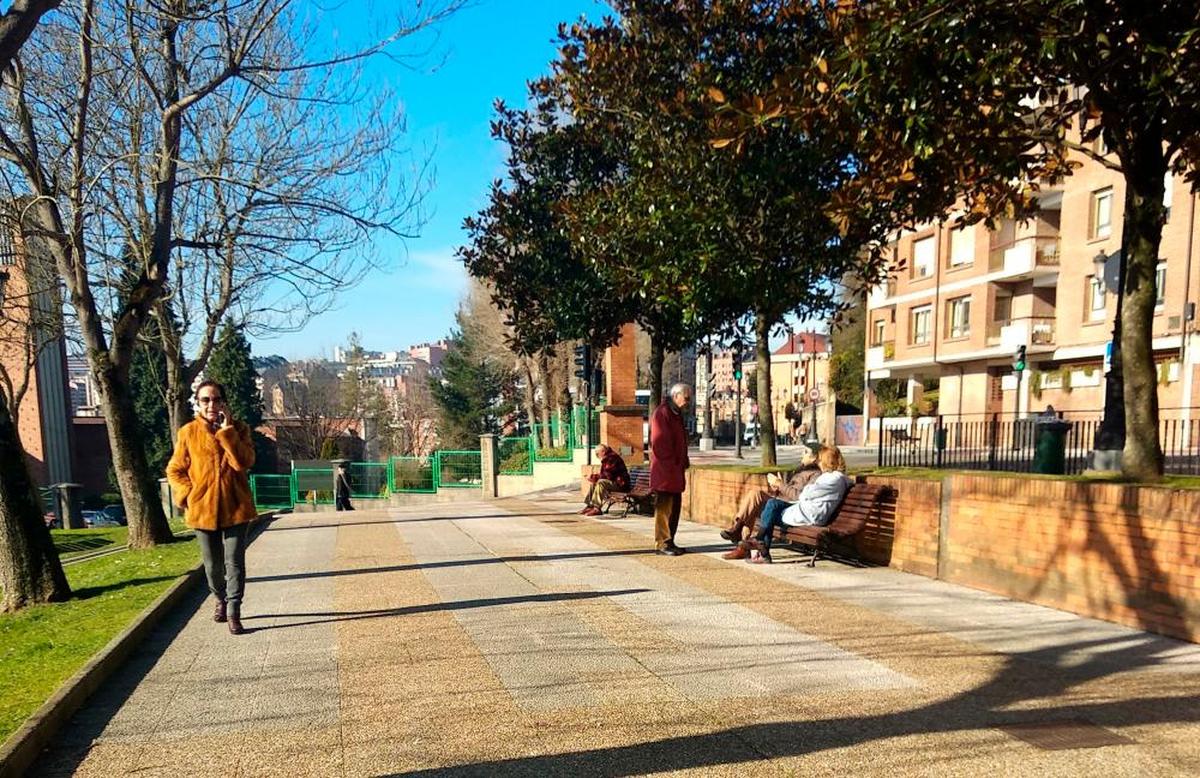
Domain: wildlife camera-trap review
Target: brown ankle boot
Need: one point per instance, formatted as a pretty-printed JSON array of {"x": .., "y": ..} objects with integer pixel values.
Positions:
[
  {"x": 235, "y": 620},
  {"x": 219, "y": 615},
  {"x": 738, "y": 553}
]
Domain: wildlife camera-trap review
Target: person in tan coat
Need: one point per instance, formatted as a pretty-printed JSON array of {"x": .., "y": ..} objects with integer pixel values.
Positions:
[{"x": 208, "y": 477}]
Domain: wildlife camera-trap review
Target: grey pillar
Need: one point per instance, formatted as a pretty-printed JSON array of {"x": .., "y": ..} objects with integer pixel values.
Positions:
[
  {"x": 489, "y": 464},
  {"x": 66, "y": 505}
]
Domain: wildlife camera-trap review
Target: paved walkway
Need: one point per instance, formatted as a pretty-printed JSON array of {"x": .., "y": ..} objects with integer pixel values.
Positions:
[{"x": 518, "y": 638}]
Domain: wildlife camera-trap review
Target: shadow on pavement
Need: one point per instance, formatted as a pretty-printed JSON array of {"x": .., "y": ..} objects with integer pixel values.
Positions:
[
  {"x": 431, "y": 608},
  {"x": 993, "y": 704},
  {"x": 402, "y": 520},
  {"x": 490, "y": 560}
]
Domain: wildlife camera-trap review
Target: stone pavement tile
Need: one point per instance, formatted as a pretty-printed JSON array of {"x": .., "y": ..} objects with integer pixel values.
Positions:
[
  {"x": 316, "y": 751},
  {"x": 212, "y": 755},
  {"x": 99, "y": 760}
]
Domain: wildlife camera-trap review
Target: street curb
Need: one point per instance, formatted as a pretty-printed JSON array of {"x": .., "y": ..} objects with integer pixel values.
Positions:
[{"x": 24, "y": 746}]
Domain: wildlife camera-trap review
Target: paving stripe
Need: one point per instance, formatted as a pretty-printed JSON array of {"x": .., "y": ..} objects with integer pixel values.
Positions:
[{"x": 720, "y": 649}]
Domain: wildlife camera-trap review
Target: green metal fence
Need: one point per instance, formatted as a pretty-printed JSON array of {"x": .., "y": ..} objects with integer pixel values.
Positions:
[
  {"x": 561, "y": 438},
  {"x": 581, "y": 424},
  {"x": 413, "y": 475},
  {"x": 459, "y": 469},
  {"x": 312, "y": 484},
  {"x": 368, "y": 480},
  {"x": 515, "y": 456},
  {"x": 272, "y": 491}
]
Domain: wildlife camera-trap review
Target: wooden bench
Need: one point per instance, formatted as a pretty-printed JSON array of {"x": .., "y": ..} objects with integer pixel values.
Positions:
[
  {"x": 638, "y": 492},
  {"x": 859, "y": 505}
]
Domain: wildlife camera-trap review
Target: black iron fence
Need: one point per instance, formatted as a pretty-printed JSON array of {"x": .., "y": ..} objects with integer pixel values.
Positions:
[{"x": 1010, "y": 444}]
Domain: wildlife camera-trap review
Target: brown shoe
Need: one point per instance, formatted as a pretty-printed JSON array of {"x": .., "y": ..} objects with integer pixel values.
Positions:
[
  {"x": 733, "y": 534},
  {"x": 219, "y": 615},
  {"x": 738, "y": 553},
  {"x": 235, "y": 621}
]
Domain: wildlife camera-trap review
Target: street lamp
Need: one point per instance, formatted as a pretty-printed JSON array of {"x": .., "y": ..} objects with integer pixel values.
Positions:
[{"x": 1110, "y": 437}]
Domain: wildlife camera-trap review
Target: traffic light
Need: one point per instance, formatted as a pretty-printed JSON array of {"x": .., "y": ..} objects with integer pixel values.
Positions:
[
  {"x": 737, "y": 365},
  {"x": 583, "y": 362},
  {"x": 1019, "y": 359}
]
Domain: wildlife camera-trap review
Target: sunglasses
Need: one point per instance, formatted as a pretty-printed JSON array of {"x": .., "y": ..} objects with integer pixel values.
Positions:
[{"x": 208, "y": 400}]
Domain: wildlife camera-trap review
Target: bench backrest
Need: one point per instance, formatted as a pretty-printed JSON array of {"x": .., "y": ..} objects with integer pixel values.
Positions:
[
  {"x": 639, "y": 479},
  {"x": 861, "y": 501}
]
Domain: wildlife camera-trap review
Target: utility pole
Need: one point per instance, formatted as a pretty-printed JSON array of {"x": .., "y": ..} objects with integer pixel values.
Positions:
[
  {"x": 737, "y": 404},
  {"x": 583, "y": 371}
]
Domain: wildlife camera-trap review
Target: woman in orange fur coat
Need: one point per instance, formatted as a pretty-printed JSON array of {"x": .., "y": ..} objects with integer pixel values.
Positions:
[{"x": 208, "y": 480}]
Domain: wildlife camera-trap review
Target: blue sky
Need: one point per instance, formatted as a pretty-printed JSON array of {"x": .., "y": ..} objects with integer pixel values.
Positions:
[{"x": 486, "y": 51}]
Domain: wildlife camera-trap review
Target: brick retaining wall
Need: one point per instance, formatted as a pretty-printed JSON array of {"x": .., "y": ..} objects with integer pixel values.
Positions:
[{"x": 1122, "y": 553}]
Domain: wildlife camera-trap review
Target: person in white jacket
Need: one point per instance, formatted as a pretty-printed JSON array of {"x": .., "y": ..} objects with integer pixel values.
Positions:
[{"x": 816, "y": 506}]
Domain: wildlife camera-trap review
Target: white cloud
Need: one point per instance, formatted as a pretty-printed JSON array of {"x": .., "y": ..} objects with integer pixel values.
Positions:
[{"x": 435, "y": 269}]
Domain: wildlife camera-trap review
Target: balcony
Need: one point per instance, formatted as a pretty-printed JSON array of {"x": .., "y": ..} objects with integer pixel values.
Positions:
[
  {"x": 1025, "y": 257},
  {"x": 1033, "y": 331},
  {"x": 878, "y": 355},
  {"x": 881, "y": 293}
]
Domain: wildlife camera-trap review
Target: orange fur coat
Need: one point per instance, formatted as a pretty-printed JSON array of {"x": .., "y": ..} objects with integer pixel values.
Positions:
[{"x": 207, "y": 474}]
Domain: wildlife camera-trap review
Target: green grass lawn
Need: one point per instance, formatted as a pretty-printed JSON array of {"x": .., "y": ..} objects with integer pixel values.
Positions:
[
  {"x": 77, "y": 542},
  {"x": 42, "y": 646}
]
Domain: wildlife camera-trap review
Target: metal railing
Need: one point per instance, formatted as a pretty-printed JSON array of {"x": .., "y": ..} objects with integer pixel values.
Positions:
[
  {"x": 459, "y": 469},
  {"x": 271, "y": 491},
  {"x": 412, "y": 475},
  {"x": 368, "y": 480},
  {"x": 558, "y": 433},
  {"x": 515, "y": 456},
  {"x": 1010, "y": 444}
]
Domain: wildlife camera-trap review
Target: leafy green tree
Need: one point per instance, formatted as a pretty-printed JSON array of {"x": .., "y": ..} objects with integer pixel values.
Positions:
[
  {"x": 979, "y": 104},
  {"x": 711, "y": 237},
  {"x": 847, "y": 360},
  {"x": 147, "y": 376},
  {"x": 233, "y": 367},
  {"x": 471, "y": 393}
]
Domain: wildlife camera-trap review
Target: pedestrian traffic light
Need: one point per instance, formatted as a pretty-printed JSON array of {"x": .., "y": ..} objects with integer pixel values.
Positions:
[
  {"x": 737, "y": 365},
  {"x": 583, "y": 362},
  {"x": 1019, "y": 359}
]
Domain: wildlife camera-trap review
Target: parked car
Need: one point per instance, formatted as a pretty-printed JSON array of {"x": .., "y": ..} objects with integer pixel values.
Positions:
[
  {"x": 90, "y": 518},
  {"x": 115, "y": 513},
  {"x": 750, "y": 433}
]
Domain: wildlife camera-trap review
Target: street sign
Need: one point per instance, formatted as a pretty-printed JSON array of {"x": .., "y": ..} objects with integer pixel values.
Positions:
[{"x": 814, "y": 394}]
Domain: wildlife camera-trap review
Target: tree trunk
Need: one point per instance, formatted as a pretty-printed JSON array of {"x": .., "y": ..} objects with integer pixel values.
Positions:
[
  {"x": 544, "y": 380},
  {"x": 139, "y": 488},
  {"x": 1142, "y": 458},
  {"x": 766, "y": 415},
  {"x": 530, "y": 393},
  {"x": 30, "y": 571},
  {"x": 656, "y": 371}
]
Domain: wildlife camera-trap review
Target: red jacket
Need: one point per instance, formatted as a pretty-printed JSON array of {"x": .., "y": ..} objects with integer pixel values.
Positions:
[
  {"x": 668, "y": 450},
  {"x": 612, "y": 468}
]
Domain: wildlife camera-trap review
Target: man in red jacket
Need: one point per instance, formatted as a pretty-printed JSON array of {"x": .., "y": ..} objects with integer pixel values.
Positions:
[
  {"x": 668, "y": 465},
  {"x": 613, "y": 477}
]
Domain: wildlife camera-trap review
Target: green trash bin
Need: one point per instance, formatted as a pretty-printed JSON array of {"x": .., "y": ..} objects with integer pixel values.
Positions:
[{"x": 1050, "y": 449}]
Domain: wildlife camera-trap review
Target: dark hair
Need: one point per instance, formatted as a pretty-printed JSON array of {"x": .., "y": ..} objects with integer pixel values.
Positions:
[{"x": 213, "y": 384}]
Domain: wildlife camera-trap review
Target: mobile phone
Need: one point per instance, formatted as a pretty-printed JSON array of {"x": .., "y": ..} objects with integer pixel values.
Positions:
[{"x": 221, "y": 418}]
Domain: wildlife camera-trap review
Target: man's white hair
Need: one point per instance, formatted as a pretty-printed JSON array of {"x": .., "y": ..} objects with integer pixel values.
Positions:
[{"x": 679, "y": 388}]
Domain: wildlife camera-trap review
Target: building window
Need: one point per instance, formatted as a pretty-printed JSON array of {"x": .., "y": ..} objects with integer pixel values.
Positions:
[
  {"x": 1003, "y": 311},
  {"x": 1096, "y": 303},
  {"x": 958, "y": 317},
  {"x": 962, "y": 247},
  {"x": 877, "y": 333},
  {"x": 1160, "y": 285},
  {"x": 1101, "y": 221},
  {"x": 924, "y": 256},
  {"x": 920, "y": 325}
]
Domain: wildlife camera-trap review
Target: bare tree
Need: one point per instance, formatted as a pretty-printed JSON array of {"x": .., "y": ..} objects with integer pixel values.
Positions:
[
  {"x": 30, "y": 571},
  {"x": 18, "y": 23},
  {"x": 74, "y": 138}
]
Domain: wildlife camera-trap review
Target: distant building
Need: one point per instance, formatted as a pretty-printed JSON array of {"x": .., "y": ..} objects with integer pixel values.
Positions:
[
  {"x": 431, "y": 353},
  {"x": 33, "y": 354},
  {"x": 798, "y": 367}
]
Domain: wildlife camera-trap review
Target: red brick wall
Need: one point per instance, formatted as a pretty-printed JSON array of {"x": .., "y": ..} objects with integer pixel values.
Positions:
[
  {"x": 1109, "y": 551},
  {"x": 913, "y": 515},
  {"x": 1121, "y": 553}
]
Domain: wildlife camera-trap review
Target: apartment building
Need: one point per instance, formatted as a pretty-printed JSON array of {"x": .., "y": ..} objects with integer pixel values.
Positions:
[
  {"x": 798, "y": 366},
  {"x": 963, "y": 300}
]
